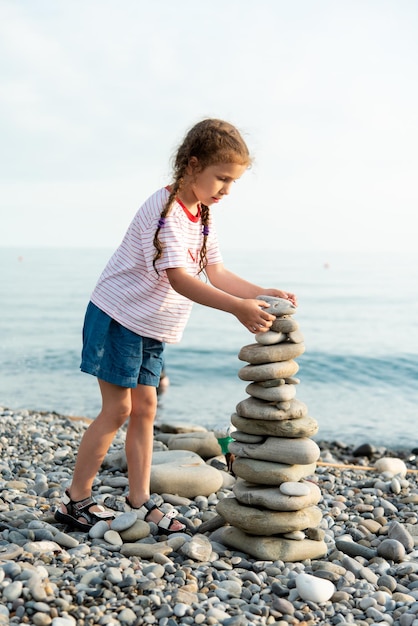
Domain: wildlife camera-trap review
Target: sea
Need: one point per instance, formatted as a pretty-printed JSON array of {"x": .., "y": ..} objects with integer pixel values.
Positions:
[{"x": 358, "y": 313}]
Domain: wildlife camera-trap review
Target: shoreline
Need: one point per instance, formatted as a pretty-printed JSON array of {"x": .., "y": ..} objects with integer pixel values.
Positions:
[{"x": 369, "y": 523}]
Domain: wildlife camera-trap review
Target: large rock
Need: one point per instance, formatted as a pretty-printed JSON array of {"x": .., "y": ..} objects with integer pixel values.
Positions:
[
  {"x": 183, "y": 473},
  {"x": 271, "y": 548},
  {"x": 302, "y": 427},
  {"x": 204, "y": 444},
  {"x": 262, "y": 410},
  {"x": 256, "y": 354},
  {"x": 273, "y": 499},
  {"x": 300, "y": 451},
  {"x": 269, "y": 473},
  {"x": 267, "y": 371},
  {"x": 264, "y": 522}
]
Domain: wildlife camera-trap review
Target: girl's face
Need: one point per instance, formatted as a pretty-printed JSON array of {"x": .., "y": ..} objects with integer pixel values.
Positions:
[{"x": 211, "y": 184}]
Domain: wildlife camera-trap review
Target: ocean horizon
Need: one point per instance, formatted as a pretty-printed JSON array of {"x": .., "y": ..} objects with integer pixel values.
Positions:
[{"x": 357, "y": 312}]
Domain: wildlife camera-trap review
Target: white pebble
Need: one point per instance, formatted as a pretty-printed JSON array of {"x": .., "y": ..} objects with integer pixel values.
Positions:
[
  {"x": 12, "y": 592},
  {"x": 63, "y": 621},
  {"x": 314, "y": 588},
  {"x": 391, "y": 465},
  {"x": 180, "y": 609}
]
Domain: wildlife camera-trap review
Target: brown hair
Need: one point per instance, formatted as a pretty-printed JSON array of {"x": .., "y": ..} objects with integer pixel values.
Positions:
[{"x": 211, "y": 141}]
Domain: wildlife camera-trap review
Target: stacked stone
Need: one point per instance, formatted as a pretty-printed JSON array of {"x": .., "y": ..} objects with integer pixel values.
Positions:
[{"x": 273, "y": 514}]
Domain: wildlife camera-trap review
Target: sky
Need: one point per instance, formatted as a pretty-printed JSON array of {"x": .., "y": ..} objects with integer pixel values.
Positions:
[{"x": 95, "y": 96}]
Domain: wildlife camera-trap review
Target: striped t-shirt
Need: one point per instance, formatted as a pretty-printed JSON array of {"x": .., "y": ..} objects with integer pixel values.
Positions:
[{"x": 131, "y": 291}]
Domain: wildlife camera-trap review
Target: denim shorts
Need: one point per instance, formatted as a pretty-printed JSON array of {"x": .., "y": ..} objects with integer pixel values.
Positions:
[{"x": 117, "y": 355}]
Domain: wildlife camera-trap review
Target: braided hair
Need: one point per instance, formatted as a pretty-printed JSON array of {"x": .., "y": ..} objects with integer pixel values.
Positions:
[{"x": 211, "y": 142}]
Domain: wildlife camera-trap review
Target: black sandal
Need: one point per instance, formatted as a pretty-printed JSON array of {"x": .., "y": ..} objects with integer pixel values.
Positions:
[
  {"x": 81, "y": 509},
  {"x": 165, "y": 523}
]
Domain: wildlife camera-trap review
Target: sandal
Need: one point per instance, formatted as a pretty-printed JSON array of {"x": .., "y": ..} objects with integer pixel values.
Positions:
[
  {"x": 165, "y": 523},
  {"x": 81, "y": 509}
]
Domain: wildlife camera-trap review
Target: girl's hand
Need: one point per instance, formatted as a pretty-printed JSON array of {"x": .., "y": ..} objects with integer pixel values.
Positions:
[
  {"x": 278, "y": 293},
  {"x": 253, "y": 316}
]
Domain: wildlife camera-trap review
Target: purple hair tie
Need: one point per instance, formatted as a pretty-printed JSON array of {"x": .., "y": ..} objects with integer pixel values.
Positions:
[
  {"x": 205, "y": 230},
  {"x": 161, "y": 222}
]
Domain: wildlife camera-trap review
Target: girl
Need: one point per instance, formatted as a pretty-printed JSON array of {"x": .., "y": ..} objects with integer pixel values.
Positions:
[{"x": 143, "y": 300}]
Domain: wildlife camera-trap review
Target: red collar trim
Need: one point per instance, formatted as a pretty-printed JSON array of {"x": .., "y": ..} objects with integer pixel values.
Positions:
[{"x": 192, "y": 218}]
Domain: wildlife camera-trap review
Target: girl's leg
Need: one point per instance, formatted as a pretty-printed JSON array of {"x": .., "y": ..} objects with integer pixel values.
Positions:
[
  {"x": 139, "y": 443},
  {"x": 116, "y": 407},
  {"x": 139, "y": 446}
]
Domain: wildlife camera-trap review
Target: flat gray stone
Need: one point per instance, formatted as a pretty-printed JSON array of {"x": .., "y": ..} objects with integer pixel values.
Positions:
[
  {"x": 256, "y": 521},
  {"x": 273, "y": 499},
  {"x": 269, "y": 472},
  {"x": 269, "y": 338},
  {"x": 272, "y": 548},
  {"x": 262, "y": 410},
  {"x": 267, "y": 371},
  {"x": 281, "y": 393},
  {"x": 124, "y": 521},
  {"x": 285, "y": 324},
  {"x": 302, "y": 451},
  {"x": 256, "y": 354},
  {"x": 238, "y": 435},
  {"x": 302, "y": 427},
  {"x": 278, "y": 306}
]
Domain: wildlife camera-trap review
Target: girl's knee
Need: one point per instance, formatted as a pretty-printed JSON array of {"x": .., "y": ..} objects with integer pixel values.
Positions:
[
  {"x": 144, "y": 402},
  {"x": 145, "y": 412},
  {"x": 115, "y": 414}
]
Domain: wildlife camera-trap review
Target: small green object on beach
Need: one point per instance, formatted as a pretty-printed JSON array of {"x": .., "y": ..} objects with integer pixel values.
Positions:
[{"x": 224, "y": 443}]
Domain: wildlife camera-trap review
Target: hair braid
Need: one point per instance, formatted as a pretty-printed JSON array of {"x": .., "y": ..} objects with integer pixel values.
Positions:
[
  {"x": 175, "y": 188},
  {"x": 204, "y": 215}
]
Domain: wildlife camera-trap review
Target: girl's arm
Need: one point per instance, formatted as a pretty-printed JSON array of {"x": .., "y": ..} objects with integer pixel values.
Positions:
[
  {"x": 223, "y": 279},
  {"x": 245, "y": 308}
]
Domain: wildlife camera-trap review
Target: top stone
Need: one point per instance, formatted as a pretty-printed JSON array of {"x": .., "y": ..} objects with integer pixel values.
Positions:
[{"x": 278, "y": 306}]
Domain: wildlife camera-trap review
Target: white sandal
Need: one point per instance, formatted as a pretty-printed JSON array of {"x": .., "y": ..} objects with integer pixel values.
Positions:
[{"x": 165, "y": 523}]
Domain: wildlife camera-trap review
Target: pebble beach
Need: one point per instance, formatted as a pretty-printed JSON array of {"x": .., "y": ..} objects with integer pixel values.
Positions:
[{"x": 50, "y": 574}]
